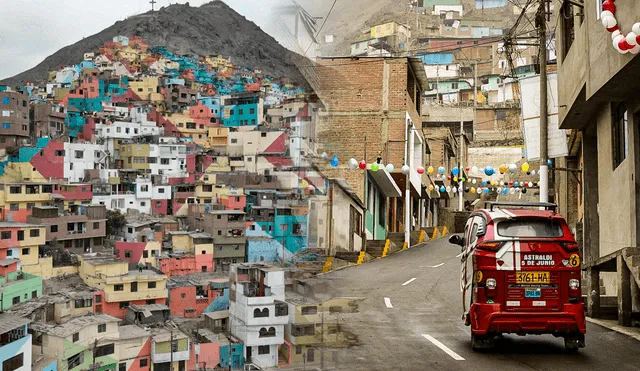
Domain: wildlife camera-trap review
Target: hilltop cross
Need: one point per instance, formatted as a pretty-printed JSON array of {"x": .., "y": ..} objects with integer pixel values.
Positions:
[{"x": 153, "y": 3}]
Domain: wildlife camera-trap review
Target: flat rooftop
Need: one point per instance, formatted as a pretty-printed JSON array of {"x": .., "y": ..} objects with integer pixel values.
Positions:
[{"x": 74, "y": 325}]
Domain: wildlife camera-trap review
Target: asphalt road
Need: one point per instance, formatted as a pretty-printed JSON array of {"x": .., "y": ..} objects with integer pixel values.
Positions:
[{"x": 419, "y": 326}]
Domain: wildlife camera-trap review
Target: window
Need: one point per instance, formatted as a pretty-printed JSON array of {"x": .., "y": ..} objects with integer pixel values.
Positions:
[
  {"x": 25, "y": 251},
  {"x": 118, "y": 287},
  {"x": 104, "y": 350},
  {"x": 75, "y": 361},
  {"x": 6, "y": 125},
  {"x": 75, "y": 337},
  {"x": 14, "y": 363},
  {"x": 151, "y": 285},
  {"x": 264, "y": 349},
  {"x": 568, "y": 26},
  {"x": 234, "y": 141},
  {"x": 134, "y": 286},
  {"x": 20, "y": 235},
  {"x": 252, "y": 110},
  {"x": 79, "y": 154},
  {"x": 15, "y": 190},
  {"x": 15, "y": 300},
  {"x": 183, "y": 295},
  {"x": 127, "y": 253},
  {"x": 160, "y": 190},
  {"x": 298, "y": 349},
  {"x": 164, "y": 161},
  {"x": 122, "y": 366},
  {"x": 144, "y": 188},
  {"x": 30, "y": 205},
  {"x": 306, "y": 311},
  {"x": 530, "y": 228},
  {"x": 619, "y": 135},
  {"x": 257, "y": 313},
  {"x": 102, "y": 328},
  {"x": 96, "y": 225},
  {"x": 34, "y": 294},
  {"x": 54, "y": 228},
  {"x": 143, "y": 362},
  {"x": 5, "y": 235},
  {"x": 124, "y": 304},
  {"x": 34, "y": 233},
  {"x": 145, "y": 254},
  {"x": 14, "y": 207}
]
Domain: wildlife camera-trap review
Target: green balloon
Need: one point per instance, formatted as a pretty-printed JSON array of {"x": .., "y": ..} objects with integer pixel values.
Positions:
[
  {"x": 375, "y": 166},
  {"x": 462, "y": 180}
]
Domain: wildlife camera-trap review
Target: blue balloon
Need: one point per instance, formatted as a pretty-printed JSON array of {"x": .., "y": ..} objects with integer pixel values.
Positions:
[
  {"x": 488, "y": 170},
  {"x": 441, "y": 170},
  {"x": 549, "y": 163},
  {"x": 515, "y": 184},
  {"x": 455, "y": 171},
  {"x": 442, "y": 189},
  {"x": 484, "y": 182},
  {"x": 505, "y": 191},
  {"x": 486, "y": 190},
  {"x": 334, "y": 161}
]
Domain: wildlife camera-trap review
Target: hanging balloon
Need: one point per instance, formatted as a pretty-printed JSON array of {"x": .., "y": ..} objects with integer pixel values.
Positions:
[
  {"x": 513, "y": 168},
  {"x": 479, "y": 190},
  {"x": 474, "y": 169},
  {"x": 528, "y": 173},
  {"x": 448, "y": 178},
  {"x": 499, "y": 190},
  {"x": 549, "y": 163},
  {"x": 503, "y": 169},
  {"x": 324, "y": 155},
  {"x": 455, "y": 171},
  {"x": 390, "y": 168},
  {"x": 442, "y": 189},
  {"x": 334, "y": 161},
  {"x": 405, "y": 169},
  {"x": 512, "y": 190},
  {"x": 517, "y": 190},
  {"x": 484, "y": 182},
  {"x": 505, "y": 191},
  {"x": 486, "y": 190},
  {"x": 455, "y": 178},
  {"x": 430, "y": 187},
  {"x": 454, "y": 189},
  {"x": 463, "y": 179},
  {"x": 533, "y": 173},
  {"x": 473, "y": 181},
  {"x": 375, "y": 166},
  {"x": 466, "y": 168},
  {"x": 489, "y": 170},
  {"x": 441, "y": 170},
  {"x": 420, "y": 170},
  {"x": 466, "y": 189},
  {"x": 430, "y": 170},
  {"x": 511, "y": 182},
  {"x": 353, "y": 163},
  {"x": 525, "y": 167},
  {"x": 501, "y": 183},
  {"x": 524, "y": 190},
  {"x": 515, "y": 184},
  {"x": 473, "y": 190},
  {"x": 448, "y": 189}
]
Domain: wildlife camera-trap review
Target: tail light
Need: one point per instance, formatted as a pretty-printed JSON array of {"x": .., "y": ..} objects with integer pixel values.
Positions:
[
  {"x": 490, "y": 287},
  {"x": 491, "y": 246},
  {"x": 574, "y": 290},
  {"x": 570, "y": 246}
]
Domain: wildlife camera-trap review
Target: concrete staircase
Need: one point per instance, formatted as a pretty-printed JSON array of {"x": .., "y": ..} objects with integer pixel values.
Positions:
[
  {"x": 348, "y": 256},
  {"x": 375, "y": 248},
  {"x": 398, "y": 238}
]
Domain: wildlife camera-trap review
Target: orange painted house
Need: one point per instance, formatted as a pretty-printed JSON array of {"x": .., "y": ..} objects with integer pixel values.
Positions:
[{"x": 191, "y": 295}]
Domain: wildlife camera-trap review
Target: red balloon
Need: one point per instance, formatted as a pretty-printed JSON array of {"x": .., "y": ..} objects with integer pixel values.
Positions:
[
  {"x": 467, "y": 168},
  {"x": 624, "y": 45},
  {"x": 614, "y": 28},
  {"x": 610, "y": 6},
  {"x": 638, "y": 39},
  {"x": 449, "y": 178},
  {"x": 362, "y": 165},
  {"x": 420, "y": 170},
  {"x": 511, "y": 183}
]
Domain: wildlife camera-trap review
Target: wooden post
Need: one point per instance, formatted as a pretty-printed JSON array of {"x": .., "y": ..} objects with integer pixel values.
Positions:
[
  {"x": 593, "y": 294},
  {"x": 624, "y": 292}
]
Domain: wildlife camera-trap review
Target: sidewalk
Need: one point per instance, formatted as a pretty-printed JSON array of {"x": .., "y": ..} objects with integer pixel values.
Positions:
[{"x": 633, "y": 332}]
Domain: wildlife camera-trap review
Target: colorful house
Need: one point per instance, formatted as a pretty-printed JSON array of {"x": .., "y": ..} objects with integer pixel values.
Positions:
[
  {"x": 191, "y": 295},
  {"x": 15, "y": 347}
]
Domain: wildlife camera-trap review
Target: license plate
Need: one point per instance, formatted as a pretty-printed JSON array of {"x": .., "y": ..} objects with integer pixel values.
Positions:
[
  {"x": 532, "y": 293},
  {"x": 533, "y": 277}
]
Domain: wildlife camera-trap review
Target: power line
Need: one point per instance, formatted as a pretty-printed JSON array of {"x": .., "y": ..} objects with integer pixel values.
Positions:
[{"x": 321, "y": 26}]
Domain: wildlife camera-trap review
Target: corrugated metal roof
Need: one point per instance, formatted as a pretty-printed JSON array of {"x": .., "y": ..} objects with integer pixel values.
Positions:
[{"x": 10, "y": 322}]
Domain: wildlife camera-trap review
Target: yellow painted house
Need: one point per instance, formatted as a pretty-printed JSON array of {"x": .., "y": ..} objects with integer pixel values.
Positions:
[
  {"x": 118, "y": 282},
  {"x": 190, "y": 242},
  {"x": 145, "y": 87},
  {"x": 133, "y": 155}
]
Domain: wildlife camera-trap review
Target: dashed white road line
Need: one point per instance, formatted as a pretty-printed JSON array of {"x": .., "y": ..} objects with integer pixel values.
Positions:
[
  {"x": 443, "y": 347},
  {"x": 408, "y": 282},
  {"x": 387, "y": 302}
]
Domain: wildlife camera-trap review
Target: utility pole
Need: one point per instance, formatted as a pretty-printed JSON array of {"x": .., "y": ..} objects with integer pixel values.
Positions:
[
  {"x": 171, "y": 346},
  {"x": 407, "y": 189},
  {"x": 460, "y": 184},
  {"x": 544, "y": 169}
]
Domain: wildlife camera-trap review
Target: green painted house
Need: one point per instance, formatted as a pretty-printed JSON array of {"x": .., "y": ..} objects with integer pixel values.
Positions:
[{"x": 17, "y": 286}]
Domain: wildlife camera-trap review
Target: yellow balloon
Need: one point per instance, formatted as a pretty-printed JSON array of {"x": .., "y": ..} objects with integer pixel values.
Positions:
[
  {"x": 430, "y": 170},
  {"x": 455, "y": 178},
  {"x": 430, "y": 187},
  {"x": 503, "y": 169},
  {"x": 473, "y": 190},
  {"x": 525, "y": 167}
]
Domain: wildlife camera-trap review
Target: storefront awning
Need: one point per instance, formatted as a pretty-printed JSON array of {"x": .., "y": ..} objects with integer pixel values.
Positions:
[{"x": 385, "y": 182}]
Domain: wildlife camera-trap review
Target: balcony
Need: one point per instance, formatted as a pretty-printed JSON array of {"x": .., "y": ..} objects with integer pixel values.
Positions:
[
  {"x": 268, "y": 315},
  {"x": 141, "y": 294}
]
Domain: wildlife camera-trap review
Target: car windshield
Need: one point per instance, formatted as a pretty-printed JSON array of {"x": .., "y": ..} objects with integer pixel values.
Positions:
[{"x": 530, "y": 228}]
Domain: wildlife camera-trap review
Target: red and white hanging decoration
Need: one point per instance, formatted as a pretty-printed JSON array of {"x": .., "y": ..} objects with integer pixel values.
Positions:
[{"x": 624, "y": 44}]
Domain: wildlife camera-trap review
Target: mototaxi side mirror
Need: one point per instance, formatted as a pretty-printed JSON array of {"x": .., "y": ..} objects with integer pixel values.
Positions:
[{"x": 455, "y": 240}]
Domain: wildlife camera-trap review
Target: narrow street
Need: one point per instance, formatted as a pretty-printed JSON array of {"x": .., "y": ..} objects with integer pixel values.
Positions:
[{"x": 410, "y": 320}]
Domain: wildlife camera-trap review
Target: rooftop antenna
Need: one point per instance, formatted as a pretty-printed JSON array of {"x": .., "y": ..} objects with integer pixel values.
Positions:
[{"x": 153, "y": 5}]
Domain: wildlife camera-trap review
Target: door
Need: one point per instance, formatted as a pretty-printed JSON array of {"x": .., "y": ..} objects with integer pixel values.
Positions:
[
  {"x": 248, "y": 354},
  {"x": 310, "y": 355},
  {"x": 466, "y": 275}
]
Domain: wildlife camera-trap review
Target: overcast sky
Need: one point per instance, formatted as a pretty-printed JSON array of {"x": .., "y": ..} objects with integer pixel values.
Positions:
[{"x": 31, "y": 30}]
